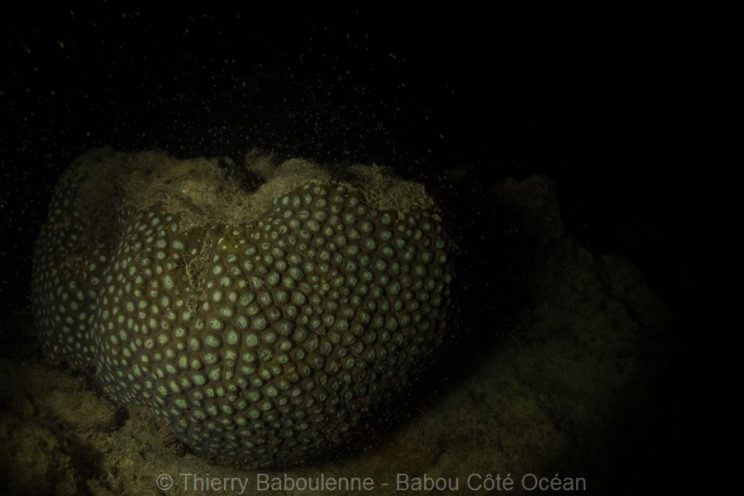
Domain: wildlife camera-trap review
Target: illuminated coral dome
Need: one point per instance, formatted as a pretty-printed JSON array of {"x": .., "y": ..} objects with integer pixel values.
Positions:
[{"x": 266, "y": 324}]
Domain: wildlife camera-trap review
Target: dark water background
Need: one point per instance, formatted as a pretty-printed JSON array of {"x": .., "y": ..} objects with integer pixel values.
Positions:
[{"x": 627, "y": 110}]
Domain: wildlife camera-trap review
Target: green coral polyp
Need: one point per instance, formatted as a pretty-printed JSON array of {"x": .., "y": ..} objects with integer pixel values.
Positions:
[{"x": 265, "y": 326}]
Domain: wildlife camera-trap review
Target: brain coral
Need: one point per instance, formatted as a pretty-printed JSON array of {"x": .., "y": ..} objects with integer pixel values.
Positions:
[{"x": 265, "y": 323}]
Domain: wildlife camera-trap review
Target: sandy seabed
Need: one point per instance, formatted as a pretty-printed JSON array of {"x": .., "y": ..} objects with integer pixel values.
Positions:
[{"x": 574, "y": 368}]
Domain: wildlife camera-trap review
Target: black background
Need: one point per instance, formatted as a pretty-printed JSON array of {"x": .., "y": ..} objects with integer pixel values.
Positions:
[{"x": 629, "y": 111}]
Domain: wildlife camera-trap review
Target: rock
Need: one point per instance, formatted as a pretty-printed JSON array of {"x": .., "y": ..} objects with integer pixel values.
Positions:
[{"x": 81, "y": 409}]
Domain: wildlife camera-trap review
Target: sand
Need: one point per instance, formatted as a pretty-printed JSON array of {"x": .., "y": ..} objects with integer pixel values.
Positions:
[{"x": 556, "y": 390}]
